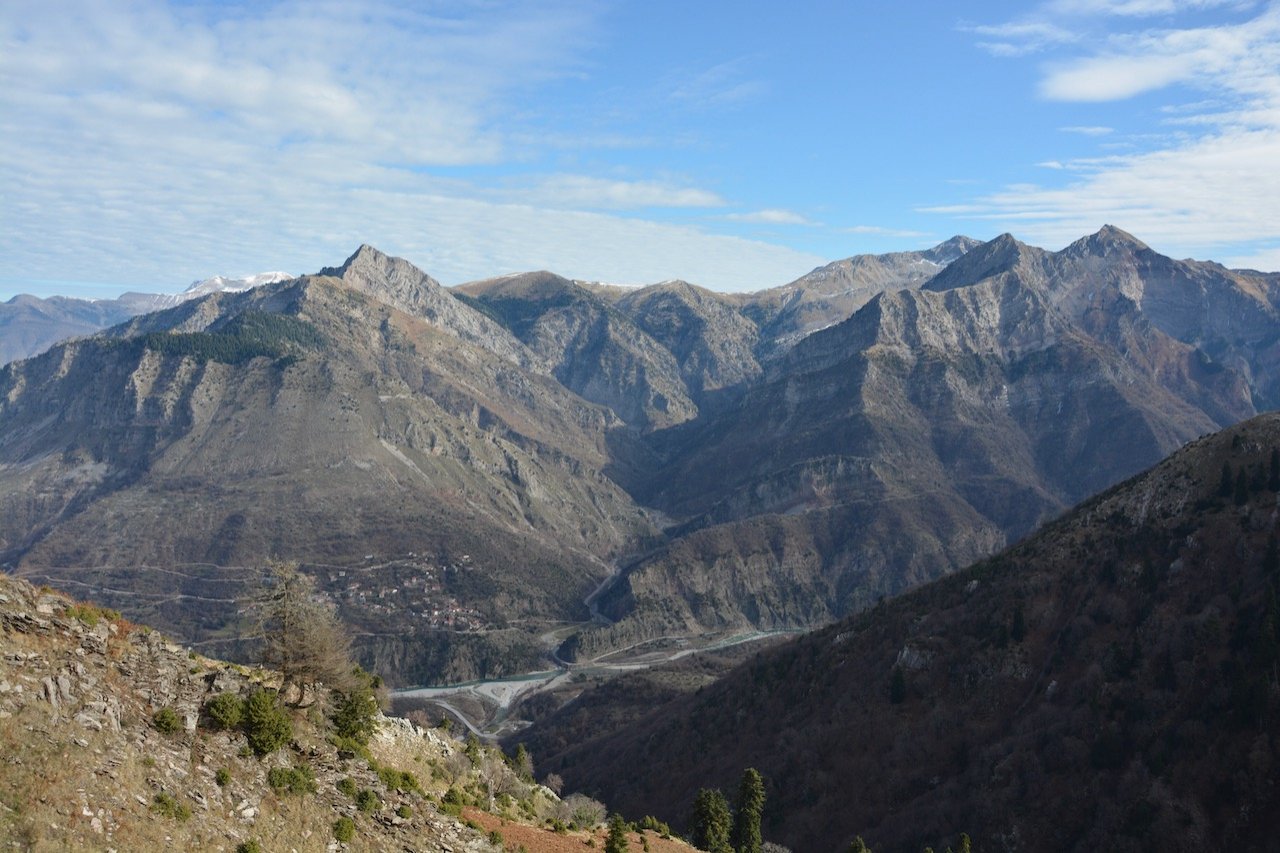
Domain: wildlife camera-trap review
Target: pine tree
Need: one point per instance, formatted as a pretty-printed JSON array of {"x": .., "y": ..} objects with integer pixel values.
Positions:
[
  {"x": 1242, "y": 488},
  {"x": 616, "y": 841},
  {"x": 897, "y": 686},
  {"x": 746, "y": 821},
  {"x": 858, "y": 845},
  {"x": 1228, "y": 481},
  {"x": 712, "y": 822},
  {"x": 1018, "y": 630},
  {"x": 966, "y": 846}
]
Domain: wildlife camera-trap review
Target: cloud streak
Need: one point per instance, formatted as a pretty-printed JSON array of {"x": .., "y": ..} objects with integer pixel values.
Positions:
[
  {"x": 152, "y": 145},
  {"x": 1207, "y": 188}
]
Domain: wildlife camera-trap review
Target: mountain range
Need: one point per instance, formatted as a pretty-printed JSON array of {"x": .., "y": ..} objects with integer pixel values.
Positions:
[
  {"x": 465, "y": 469},
  {"x": 29, "y": 324}
]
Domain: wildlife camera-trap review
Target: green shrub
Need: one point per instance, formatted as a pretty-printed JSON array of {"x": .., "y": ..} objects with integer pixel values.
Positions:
[
  {"x": 292, "y": 780},
  {"x": 495, "y": 837},
  {"x": 166, "y": 805},
  {"x": 649, "y": 822},
  {"x": 404, "y": 812},
  {"x": 266, "y": 725},
  {"x": 350, "y": 748},
  {"x": 453, "y": 801},
  {"x": 355, "y": 712},
  {"x": 226, "y": 710},
  {"x": 344, "y": 829},
  {"x": 398, "y": 780},
  {"x": 90, "y": 614},
  {"x": 222, "y": 777},
  {"x": 347, "y": 785},
  {"x": 249, "y": 846},
  {"x": 367, "y": 801},
  {"x": 166, "y": 721}
]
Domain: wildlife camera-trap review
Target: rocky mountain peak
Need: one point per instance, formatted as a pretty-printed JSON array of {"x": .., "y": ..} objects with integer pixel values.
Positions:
[
  {"x": 391, "y": 279},
  {"x": 1107, "y": 242},
  {"x": 1000, "y": 255},
  {"x": 948, "y": 251}
]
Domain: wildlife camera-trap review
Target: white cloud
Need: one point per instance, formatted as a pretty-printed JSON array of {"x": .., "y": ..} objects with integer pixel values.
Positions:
[
  {"x": 770, "y": 216},
  {"x": 1241, "y": 57},
  {"x": 1137, "y": 8},
  {"x": 1088, "y": 130},
  {"x": 1267, "y": 260},
  {"x": 1202, "y": 189},
  {"x": 723, "y": 84},
  {"x": 151, "y": 145},
  {"x": 1018, "y": 38},
  {"x": 883, "y": 232},
  {"x": 1213, "y": 192},
  {"x": 582, "y": 191}
]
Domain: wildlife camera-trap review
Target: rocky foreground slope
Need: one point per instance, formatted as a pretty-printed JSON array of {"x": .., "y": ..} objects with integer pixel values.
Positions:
[
  {"x": 107, "y": 743},
  {"x": 1110, "y": 683}
]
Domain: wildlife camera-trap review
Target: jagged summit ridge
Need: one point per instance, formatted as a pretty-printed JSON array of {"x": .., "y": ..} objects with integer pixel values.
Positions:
[
  {"x": 1106, "y": 241},
  {"x": 399, "y": 283}
]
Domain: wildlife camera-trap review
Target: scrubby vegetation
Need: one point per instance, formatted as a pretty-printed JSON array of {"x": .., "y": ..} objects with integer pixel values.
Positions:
[
  {"x": 266, "y": 726},
  {"x": 166, "y": 721},
  {"x": 292, "y": 780}
]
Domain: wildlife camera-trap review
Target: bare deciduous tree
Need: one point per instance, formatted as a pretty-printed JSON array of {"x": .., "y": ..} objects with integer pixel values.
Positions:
[{"x": 302, "y": 636}]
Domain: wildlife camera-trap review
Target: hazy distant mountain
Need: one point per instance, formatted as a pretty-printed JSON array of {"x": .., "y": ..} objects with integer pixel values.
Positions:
[
  {"x": 30, "y": 325},
  {"x": 1108, "y": 684}
]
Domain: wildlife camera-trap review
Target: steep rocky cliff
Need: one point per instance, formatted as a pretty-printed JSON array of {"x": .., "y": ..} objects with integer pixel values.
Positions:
[
  {"x": 312, "y": 420},
  {"x": 938, "y": 423}
]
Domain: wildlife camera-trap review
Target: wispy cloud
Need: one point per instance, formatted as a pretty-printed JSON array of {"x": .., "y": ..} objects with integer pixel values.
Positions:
[
  {"x": 723, "y": 84},
  {"x": 771, "y": 216},
  {"x": 883, "y": 232},
  {"x": 1240, "y": 57},
  {"x": 1139, "y": 8},
  {"x": 1267, "y": 259},
  {"x": 582, "y": 191},
  {"x": 1210, "y": 185},
  {"x": 1088, "y": 130},
  {"x": 1019, "y": 38},
  {"x": 137, "y": 132}
]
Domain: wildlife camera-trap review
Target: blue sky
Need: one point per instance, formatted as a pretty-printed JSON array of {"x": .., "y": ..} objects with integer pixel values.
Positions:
[{"x": 144, "y": 145}]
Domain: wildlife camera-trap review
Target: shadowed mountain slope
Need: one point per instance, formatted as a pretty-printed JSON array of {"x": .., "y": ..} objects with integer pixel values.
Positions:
[{"x": 1108, "y": 683}]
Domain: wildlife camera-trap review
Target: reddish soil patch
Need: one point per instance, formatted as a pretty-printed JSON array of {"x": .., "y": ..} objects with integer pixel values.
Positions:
[{"x": 538, "y": 840}]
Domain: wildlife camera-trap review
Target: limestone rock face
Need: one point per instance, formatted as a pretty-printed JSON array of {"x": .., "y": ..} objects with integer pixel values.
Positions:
[
  {"x": 461, "y": 463},
  {"x": 308, "y": 418},
  {"x": 941, "y": 421},
  {"x": 590, "y": 347}
]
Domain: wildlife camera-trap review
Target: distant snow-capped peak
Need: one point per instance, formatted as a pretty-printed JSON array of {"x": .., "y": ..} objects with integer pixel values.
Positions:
[{"x": 224, "y": 284}]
